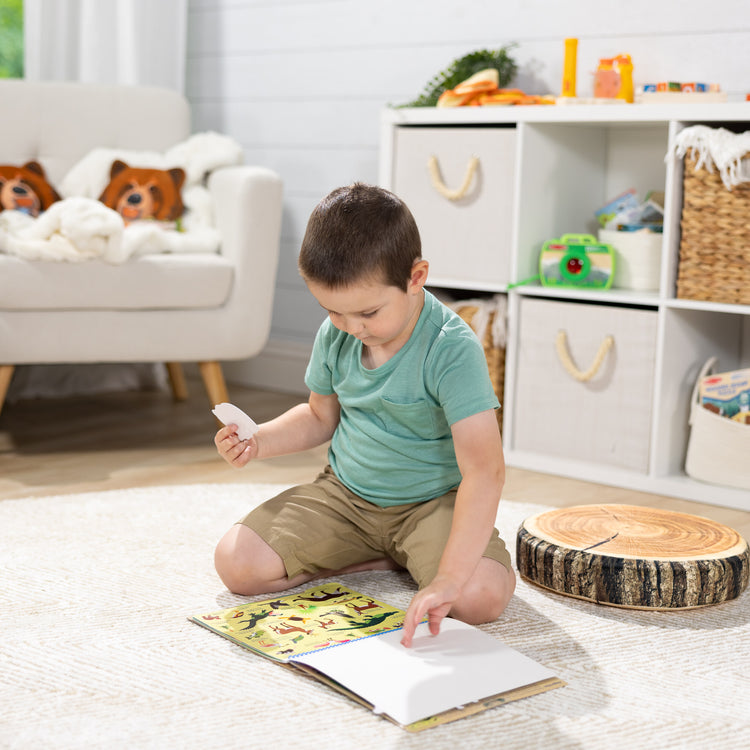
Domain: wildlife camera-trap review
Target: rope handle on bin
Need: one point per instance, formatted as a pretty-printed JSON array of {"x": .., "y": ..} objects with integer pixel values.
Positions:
[
  {"x": 437, "y": 179},
  {"x": 561, "y": 345},
  {"x": 707, "y": 368}
]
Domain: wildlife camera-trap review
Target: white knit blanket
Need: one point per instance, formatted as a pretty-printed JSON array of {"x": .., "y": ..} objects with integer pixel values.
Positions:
[
  {"x": 79, "y": 227},
  {"x": 717, "y": 147}
]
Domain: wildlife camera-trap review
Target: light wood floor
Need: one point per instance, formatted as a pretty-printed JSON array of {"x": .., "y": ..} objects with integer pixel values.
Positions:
[{"x": 138, "y": 439}]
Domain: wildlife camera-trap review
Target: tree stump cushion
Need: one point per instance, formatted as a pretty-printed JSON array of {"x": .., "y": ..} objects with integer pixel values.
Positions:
[{"x": 629, "y": 556}]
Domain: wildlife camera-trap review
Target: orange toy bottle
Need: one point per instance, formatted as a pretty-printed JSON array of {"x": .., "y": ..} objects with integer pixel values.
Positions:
[
  {"x": 569, "y": 68},
  {"x": 625, "y": 69},
  {"x": 606, "y": 80}
]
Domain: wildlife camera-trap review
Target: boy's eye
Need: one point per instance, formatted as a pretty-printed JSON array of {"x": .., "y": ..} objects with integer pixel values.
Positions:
[{"x": 370, "y": 314}]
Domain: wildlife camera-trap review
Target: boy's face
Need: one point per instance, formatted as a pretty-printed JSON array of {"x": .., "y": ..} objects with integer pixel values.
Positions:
[{"x": 377, "y": 314}]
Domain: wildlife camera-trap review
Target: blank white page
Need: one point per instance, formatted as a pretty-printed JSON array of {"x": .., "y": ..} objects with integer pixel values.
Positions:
[{"x": 459, "y": 666}]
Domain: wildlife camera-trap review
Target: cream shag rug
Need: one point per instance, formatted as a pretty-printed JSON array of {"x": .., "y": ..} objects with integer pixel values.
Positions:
[{"x": 96, "y": 650}]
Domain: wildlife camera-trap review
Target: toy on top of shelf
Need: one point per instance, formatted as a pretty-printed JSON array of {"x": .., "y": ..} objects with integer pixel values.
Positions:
[
  {"x": 482, "y": 88},
  {"x": 463, "y": 68},
  {"x": 625, "y": 69},
  {"x": 476, "y": 79},
  {"x": 606, "y": 79},
  {"x": 569, "y": 68},
  {"x": 674, "y": 91},
  {"x": 614, "y": 78}
]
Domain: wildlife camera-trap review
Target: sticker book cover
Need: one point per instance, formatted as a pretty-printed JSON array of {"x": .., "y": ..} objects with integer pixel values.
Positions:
[{"x": 318, "y": 618}]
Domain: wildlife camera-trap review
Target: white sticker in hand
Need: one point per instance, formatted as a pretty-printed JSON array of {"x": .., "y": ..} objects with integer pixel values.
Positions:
[{"x": 230, "y": 414}]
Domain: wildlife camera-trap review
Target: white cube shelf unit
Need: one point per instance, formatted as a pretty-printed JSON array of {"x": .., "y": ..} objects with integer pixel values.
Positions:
[{"x": 541, "y": 172}]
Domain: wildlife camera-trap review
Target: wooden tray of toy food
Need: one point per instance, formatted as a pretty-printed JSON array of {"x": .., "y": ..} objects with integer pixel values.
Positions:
[{"x": 629, "y": 556}]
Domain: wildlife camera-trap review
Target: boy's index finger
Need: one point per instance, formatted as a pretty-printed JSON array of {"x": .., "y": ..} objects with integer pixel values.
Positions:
[
  {"x": 408, "y": 635},
  {"x": 409, "y": 628},
  {"x": 412, "y": 619}
]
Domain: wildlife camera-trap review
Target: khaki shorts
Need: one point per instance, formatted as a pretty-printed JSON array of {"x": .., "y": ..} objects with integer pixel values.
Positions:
[{"x": 324, "y": 526}]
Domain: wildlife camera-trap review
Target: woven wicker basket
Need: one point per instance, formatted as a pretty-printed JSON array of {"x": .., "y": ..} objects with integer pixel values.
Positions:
[
  {"x": 495, "y": 355},
  {"x": 715, "y": 246}
]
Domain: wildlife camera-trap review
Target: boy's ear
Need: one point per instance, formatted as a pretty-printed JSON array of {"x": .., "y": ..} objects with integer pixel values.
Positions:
[{"x": 419, "y": 272}]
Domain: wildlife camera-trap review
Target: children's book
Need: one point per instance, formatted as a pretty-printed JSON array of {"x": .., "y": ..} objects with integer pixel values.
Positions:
[{"x": 352, "y": 642}]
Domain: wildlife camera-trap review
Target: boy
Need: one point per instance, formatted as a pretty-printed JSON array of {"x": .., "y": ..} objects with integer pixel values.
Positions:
[{"x": 400, "y": 386}]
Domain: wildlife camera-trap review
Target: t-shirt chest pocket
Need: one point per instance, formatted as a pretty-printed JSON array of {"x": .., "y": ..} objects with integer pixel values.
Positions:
[{"x": 415, "y": 419}]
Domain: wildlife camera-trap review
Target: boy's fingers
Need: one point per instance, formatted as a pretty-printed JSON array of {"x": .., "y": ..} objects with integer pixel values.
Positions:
[
  {"x": 408, "y": 632},
  {"x": 225, "y": 433},
  {"x": 414, "y": 616},
  {"x": 408, "y": 635},
  {"x": 427, "y": 604},
  {"x": 435, "y": 620},
  {"x": 228, "y": 431},
  {"x": 243, "y": 446}
]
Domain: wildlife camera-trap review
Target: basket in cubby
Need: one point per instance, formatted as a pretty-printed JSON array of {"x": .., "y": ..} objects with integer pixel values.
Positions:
[
  {"x": 714, "y": 262},
  {"x": 487, "y": 318}
]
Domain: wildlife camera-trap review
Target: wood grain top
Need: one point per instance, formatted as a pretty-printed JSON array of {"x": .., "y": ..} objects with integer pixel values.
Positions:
[{"x": 636, "y": 532}]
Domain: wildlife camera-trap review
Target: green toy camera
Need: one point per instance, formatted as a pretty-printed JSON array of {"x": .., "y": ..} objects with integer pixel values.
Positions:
[{"x": 577, "y": 260}]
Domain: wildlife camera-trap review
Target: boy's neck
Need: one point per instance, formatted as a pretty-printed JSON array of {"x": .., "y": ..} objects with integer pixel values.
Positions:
[{"x": 376, "y": 356}]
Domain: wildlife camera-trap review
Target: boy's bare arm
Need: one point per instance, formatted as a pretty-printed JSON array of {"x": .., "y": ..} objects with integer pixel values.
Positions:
[
  {"x": 301, "y": 427},
  {"x": 479, "y": 453}
]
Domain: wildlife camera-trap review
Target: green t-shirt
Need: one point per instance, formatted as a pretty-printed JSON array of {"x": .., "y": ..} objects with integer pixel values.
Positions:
[{"x": 393, "y": 444}]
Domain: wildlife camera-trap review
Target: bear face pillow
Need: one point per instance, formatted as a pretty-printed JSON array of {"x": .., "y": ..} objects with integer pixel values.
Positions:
[
  {"x": 26, "y": 189},
  {"x": 137, "y": 193}
]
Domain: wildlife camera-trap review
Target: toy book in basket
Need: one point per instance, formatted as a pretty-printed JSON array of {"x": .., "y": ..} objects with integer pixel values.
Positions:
[
  {"x": 719, "y": 442},
  {"x": 727, "y": 394}
]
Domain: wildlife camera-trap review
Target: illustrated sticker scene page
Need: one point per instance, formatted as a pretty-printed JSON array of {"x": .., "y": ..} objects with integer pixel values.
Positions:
[{"x": 318, "y": 618}]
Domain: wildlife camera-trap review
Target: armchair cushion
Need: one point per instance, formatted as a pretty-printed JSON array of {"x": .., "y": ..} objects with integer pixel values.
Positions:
[{"x": 156, "y": 282}]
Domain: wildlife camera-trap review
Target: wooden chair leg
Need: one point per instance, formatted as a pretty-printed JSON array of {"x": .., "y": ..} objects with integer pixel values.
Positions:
[
  {"x": 213, "y": 379},
  {"x": 6, "y": 374},
  {"x": 177, "y": 381}
]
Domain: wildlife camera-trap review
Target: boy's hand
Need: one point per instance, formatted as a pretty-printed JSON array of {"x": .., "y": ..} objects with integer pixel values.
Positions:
[
  {"x": 435, "y": 601},
  {"x": 234, "y": 451}
]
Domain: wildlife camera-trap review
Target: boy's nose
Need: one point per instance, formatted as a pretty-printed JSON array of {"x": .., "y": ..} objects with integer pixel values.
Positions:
[{"x": 354, "y": 327}]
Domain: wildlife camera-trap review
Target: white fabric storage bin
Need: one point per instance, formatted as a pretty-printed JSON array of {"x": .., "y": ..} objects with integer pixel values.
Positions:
[
  {"x": 600, "y": 412},
  {"x": 458, "y": 183},
  {"x": 718, "y": 448},
  {"x": 637, "y": 258}
]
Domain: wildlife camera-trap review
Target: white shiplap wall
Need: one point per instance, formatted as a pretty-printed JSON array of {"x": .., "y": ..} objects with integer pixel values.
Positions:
[{"x": 301, "y": 83}]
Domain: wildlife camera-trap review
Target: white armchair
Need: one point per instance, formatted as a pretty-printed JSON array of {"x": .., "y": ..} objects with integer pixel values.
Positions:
[{"x": 160, "y": 307}]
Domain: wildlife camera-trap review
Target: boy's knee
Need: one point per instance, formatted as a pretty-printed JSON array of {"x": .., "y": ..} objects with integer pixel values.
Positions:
[
  {"x": 486, "y": 596},
  {"x": 233, "y": 575},
  {"x": 241, "y": 564}
]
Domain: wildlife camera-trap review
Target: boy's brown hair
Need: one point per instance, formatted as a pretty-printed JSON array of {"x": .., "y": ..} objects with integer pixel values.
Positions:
[{"x": 359, "y": 232}]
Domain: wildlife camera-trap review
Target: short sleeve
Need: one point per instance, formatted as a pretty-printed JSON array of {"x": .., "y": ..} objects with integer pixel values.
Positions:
[
  {"x": 462, "y": 379},
  {"x": 319, "y": 376}
]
